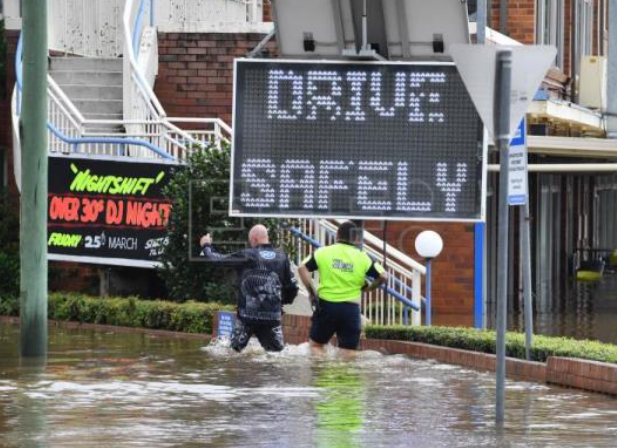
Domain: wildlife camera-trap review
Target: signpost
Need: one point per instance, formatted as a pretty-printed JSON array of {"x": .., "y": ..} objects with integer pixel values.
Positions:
[
  {"x": 502, "y": 82},
  {"x": 361, "y": 140},
  {"x": 518, "y": 195},
  {"x": 108, "y": 211}
]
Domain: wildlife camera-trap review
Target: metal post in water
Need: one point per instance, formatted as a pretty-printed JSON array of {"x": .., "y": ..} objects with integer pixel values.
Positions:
[
  {"x": 502, "y": 137},
  {"x": 33, "y": 227},
  {"x": 526, "y": 266},
  {"x": 429, "y": 310}
]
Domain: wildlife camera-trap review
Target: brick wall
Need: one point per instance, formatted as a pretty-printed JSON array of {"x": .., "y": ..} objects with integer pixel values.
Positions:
[
  {"x": 521, "y": 24},
  {"x": 267, "y": 11},
  {"x": 452, "y": 286},
  {"x": 196, "y": 72}
]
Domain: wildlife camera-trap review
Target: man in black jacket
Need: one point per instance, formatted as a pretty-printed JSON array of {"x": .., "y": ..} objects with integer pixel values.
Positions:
[{"x": 265, "y": 284}]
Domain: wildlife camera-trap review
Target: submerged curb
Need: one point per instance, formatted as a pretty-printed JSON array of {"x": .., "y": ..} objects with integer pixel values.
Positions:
[{"x": 116, "y": 329}]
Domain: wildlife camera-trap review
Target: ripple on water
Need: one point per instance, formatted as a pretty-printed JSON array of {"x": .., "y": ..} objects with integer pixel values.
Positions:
[{"x": 158, "y": 392}]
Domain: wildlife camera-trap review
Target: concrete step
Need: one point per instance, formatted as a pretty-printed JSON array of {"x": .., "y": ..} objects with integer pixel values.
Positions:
[
  {"x": 102, "y": 116},
  {"x": 86, "y": 64},
  {"x": 87, "y": 78},
  {"x": 106, "y": 130},
  {"x": 77, "y": 92},
  {"x": 98, "y": 106}
]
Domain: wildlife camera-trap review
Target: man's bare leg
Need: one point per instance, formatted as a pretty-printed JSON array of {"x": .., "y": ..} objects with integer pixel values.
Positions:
[
  {"x": 316, "y": 348},
  {"x": 347, "y": 353}
]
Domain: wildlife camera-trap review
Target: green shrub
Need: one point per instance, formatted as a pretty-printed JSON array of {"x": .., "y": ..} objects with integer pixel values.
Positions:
[
  {"x": 189, "y": 317},
  {"x": 484, "y": 341},
  {"x": 9, "y": 305}
]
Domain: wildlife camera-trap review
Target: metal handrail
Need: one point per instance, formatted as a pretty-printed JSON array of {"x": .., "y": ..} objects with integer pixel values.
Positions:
[
  {"x": 367, "y": 236},
  {"x": 404, "y": 300},
  {"x": 392, "y": 252},
  {"x": 129, "y": 38},
  {"x": 111, "y": 141},
  {"x": 331, "y": 229}
]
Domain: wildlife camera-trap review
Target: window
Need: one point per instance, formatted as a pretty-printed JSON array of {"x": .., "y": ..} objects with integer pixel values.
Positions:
[{"x": 550, "y": 26}]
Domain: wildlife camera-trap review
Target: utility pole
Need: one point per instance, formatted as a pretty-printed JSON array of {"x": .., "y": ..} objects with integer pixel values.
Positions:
[
  {"x": 502, "y": 137},
  {"x": 33, "y": 226}
]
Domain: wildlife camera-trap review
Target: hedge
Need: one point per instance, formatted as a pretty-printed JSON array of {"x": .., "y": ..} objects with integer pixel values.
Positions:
[
  {"x": 484, "y": 341},
  {"x": 188, "y": 317}
]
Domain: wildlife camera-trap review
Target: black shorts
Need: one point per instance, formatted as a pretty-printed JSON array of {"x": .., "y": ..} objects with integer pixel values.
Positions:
[
  {"x": 270, "y": 336},
  {"x": 340, "y": 318}
]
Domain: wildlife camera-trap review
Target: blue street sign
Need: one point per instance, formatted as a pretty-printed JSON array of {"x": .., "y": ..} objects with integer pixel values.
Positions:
[
  {"x": 227, "y": 322},
  {"x": 517, "y": 167}
]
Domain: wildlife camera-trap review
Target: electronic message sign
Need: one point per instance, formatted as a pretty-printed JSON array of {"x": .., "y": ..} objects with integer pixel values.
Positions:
[
  {"x": 369, "y": 140},
  {"x": 107, "y": 211}
]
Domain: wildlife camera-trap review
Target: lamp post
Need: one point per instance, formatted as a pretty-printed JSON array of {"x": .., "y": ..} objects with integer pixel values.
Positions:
[{"x": 428, "y": 245}]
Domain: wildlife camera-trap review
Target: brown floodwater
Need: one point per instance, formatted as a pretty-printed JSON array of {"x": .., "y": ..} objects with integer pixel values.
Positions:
[{"x": 100, "y": 389}]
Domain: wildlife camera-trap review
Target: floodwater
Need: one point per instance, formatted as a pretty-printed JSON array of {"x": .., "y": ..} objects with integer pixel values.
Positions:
[
  {"x": 102, "y": 389},
  {"x": 582, "y": 310}
]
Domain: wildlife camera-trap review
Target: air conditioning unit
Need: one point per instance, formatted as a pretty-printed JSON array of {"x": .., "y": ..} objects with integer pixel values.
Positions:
[{"x": 592, "y": 82}]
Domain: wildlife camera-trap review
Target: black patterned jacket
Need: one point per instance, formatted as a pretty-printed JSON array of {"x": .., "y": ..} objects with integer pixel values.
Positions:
[{"x": 265, "y": 282}]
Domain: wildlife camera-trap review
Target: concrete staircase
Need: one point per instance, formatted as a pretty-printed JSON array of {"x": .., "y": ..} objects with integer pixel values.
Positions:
[{"x": 94, "y": 86}]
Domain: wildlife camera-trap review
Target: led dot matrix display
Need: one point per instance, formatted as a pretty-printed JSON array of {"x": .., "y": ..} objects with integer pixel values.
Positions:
[{"x": 363, "y": 140}]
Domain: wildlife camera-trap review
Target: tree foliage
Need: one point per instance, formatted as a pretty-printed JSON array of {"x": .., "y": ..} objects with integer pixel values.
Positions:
[
  {"x": 199, "y": 193},
  {"x": 9, "y": 245}
]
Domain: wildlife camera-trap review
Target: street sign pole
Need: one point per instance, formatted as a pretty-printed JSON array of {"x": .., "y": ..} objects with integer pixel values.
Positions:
[
  {"x": 515, "y": 73},
  {"x": 526, "y": 265},
  {"x": 502, "y": 138},
  {"x": 518, "y": 195}
]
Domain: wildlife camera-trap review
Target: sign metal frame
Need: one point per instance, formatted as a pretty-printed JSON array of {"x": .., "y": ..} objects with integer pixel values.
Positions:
[{"x": 260, "y": 214}]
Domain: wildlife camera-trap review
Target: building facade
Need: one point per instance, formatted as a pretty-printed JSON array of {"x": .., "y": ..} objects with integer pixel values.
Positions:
[{"x": 569, "y": 211}]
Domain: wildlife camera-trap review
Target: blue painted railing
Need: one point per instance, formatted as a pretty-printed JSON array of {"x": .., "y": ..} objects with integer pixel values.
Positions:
[
  {"x": 404, "y": 300},
  {"x": 139, "y": 19}
]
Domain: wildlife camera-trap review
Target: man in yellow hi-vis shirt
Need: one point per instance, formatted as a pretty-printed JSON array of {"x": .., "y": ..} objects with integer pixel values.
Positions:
[{"x": 343, "y": 269}]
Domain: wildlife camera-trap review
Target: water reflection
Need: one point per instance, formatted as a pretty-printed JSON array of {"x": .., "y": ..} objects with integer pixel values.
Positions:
[
  {"x": 582, "y": 311},
  {"x": 105, "y": 389},
  {"x": 340, "y": 414}
]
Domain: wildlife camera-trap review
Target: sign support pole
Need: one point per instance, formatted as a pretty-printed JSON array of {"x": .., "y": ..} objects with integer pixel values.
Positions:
[
  {"x": 526, "y": 265},
  {"x": 502, "y": 137},
  {"x": 33, "y": 226}
]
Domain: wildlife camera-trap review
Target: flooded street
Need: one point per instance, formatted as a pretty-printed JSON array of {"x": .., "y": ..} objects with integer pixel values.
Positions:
[
  {"x": 581, "y": 310},
  {"x": 106, "y": 389}
]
